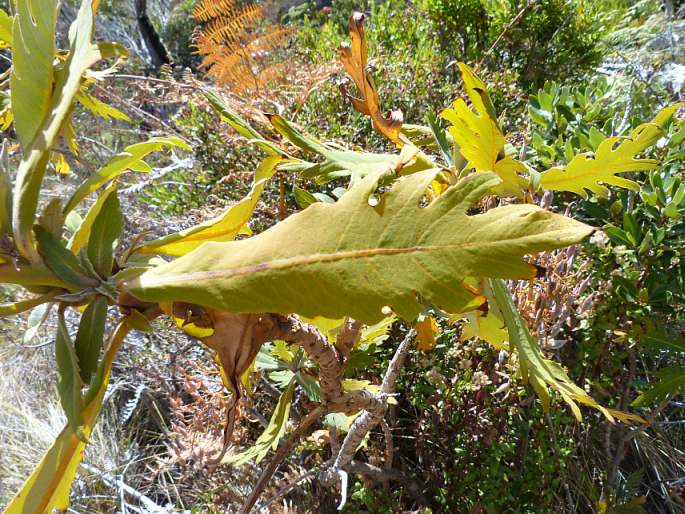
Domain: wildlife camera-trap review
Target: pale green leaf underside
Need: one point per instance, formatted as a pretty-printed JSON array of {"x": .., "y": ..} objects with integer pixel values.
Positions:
[{"x": 350, "y": 258}]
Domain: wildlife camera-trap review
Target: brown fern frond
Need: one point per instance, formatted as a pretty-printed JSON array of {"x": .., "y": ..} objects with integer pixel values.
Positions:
[{"x": 206, "y": 10}]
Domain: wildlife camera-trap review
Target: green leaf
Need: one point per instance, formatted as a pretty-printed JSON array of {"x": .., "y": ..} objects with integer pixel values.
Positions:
[
  {"x": 90, "y": 336},
  {"x": 33, "y": 53},
  {"x": 5, "y": 191},
  {"x": 81, "y": 233},
  {"x": 241, "y": 126},
  {"x": 663, "y": 341},
  {"x": 351, "y": 258},
  {"x": 303, "y": 198},
  {"x": 51, "y": 218},
  {"x": 68, "y": 376},
  {"x": 671, "y": 382},
  {"x": 47, "y": 489},
  {"x": 12, "y": 309},
  {"x": 222, "y": 228},
  {"x": 106, "y": 229},
  {"x": 272, "y": 434},
  {"x": 343, "y": 163},
  {"x": 40, "y": 106},
  {"x": 131, "y": 159},
  {"x": 588, "y": 172},
  {"x": 61, "y": 261},
  {"x": 540, "y": 372}
]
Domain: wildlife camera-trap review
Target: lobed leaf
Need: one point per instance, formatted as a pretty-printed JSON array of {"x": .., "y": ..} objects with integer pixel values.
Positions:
[
  {"x": 589, "y": 172},
  {"x": 540, "y": 372},
  {"x": 352, "y": 259},
  {"x": 479, "y": 137}
]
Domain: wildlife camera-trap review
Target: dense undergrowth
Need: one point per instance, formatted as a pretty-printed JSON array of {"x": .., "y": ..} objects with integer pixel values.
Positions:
[{"x": 466, "y": 433}]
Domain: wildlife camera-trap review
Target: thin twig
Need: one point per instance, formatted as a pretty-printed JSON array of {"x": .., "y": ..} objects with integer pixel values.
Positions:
[{"x": 280, "y": 456}]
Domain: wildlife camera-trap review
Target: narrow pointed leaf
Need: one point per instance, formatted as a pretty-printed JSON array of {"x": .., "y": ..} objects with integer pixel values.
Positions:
[
  {"x": 130, "y": 159},
  {"x": 590, "y": 172},
  {"x": 222, "y": 228},
  {"x": 81, "y": 234},
  {"x": 90, "y": 336},
  {"x": 352, "y": 259},
  {"x": 12, "y": 309},
  {"x": 61, "y": 261},
  {"x": 5, "y": 191},
  {"x": 671, "y": 381},
  {"x": 32, "y": 82},
  {"x": 68, "y": 376},
  {"x": 106, "y": 230},
  {"x": 273, "y": 432},
  {"x": 540, "y": 372},
  {"x": 47, "y": 489}
]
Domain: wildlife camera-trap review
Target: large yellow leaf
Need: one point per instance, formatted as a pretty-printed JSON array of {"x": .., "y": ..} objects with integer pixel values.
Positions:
[
  {"x": 588, "y": 172},
  {"x": 222, "y": 228},
  {"x": 351, "y": 258},
  {"x": 479, "y": 137}
]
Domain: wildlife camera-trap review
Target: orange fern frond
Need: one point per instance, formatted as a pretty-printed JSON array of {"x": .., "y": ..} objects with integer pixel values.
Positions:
[
  {"x": 206, "y": 10},
  {"x": 235, "y": 43}
]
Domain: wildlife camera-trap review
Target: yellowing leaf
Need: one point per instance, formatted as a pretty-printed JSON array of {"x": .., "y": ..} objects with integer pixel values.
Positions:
[
  {"x": 479, "y": 137},
  {"x": 353, "y": 259},
  {"x": 487, "y": 325},
  {"x": 426, "y": 330},
  {"x": 6, "y": 23},
  {"x": 47, "y": 489},
  {"x": 543, "y": 373},
  {"x": 41, "y": 105},
  {"x": 223, "y": 228},
  {"x": 588, "y": 172},
  {"x": 272, "y": 434},
  {"x": 100, "y": 108},
  {"x": 130, "y": 159}
]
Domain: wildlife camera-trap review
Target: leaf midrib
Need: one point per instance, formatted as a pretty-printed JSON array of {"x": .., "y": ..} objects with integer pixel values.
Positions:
[{"x": 304, "y": 260}]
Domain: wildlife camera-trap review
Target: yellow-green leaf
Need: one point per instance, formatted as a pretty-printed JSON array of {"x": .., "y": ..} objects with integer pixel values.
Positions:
[
  {"x": 47, "y": 489},
  {"x": 479, "y": 137},
  {"x": 540, "y": 372},
  {"x": 222, "y": 228},
  {"x": 12, "y": 309},
  {"x": 130, "y": 159},
  {"x": 41, "y": 106},
  {"x": 100, "y": 108},
  {"x": 589, "y": 172},
  {"x": 352, "y": 259},
  {"x": 488, "y": 324},
  {"x": 81, "y": 235},
  {"x": 6, "y": 23},
  {"x": 272, "y": 434}
]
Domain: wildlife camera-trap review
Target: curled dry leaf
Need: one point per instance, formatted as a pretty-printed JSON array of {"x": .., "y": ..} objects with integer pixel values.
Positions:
[
  {"x": 354, "y": 59},
  {"x": 235, "y": 338}
]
